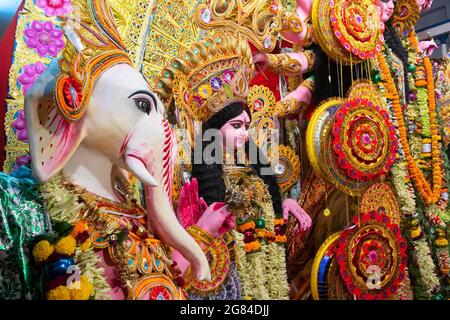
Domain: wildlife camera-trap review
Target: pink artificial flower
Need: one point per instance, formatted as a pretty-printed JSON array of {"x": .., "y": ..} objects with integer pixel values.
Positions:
[
  {"x": 55, "y": 7},
  {"x": 29, "y": 74},
  {"x": 44, "y": 38},
  {"x": 20, "y": 126},
  {"x": 23, "y": 160}
]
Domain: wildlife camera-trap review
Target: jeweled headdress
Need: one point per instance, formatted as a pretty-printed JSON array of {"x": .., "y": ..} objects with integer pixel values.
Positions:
[
  {"x": 208, "y": 76},
  {"x": 94, "y": 45}
]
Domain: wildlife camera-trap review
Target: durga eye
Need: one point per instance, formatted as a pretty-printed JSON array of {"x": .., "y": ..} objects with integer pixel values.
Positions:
[
  {"x": 236, "y": 125},
  {"x": 144, "y": 105},
  {"x": 247, "y": 125}
]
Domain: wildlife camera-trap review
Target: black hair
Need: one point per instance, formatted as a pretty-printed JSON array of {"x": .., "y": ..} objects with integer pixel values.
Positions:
[
  {"x": 327, "y": 77},
  {"x": 393, "y": 41},
  {"x": 211, "y": 184}
]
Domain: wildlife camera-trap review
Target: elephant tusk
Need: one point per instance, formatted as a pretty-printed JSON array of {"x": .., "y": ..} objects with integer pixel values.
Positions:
[{"x": 138, "y": 168}]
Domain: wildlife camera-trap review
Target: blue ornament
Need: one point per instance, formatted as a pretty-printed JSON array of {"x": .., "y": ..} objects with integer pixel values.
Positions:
[{"x": 58, "y": 267}]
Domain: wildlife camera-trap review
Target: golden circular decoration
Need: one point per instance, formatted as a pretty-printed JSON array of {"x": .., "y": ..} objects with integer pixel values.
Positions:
[
  {"x": 381, "y": 196},
  {"x": 319, "y": 146},
  {"x": 326, "y": 282},
  {"x": 219, "y": 263},
  {"x": 364, "y": 89},
  {"x": 406, "y": 14},
  {"x": 287, "y": 169},
  {"x": 323, "y": 31},
  {"x": 156, "y": 287},
  {"x": 261, "y": 101},
  {"x": 358, "y": 27}
]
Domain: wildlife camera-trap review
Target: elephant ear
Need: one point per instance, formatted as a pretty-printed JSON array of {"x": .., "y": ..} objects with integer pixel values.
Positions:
[{"x": 52, "y": 138}]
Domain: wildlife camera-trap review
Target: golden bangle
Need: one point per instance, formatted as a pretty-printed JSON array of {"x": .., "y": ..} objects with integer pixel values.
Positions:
[
  {"x": 201, "y": 235},
  {"x": 308, "y": 83},
  {"x": 309, "y": 54},
  {"x": 282, "y": 63},
  {"x": 289, "y": 106},
  {"x": 309, "y": 35}
]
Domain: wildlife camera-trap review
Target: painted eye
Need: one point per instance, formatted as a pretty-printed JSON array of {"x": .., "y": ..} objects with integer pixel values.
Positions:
[
  {"x": 247, "y": 126},
  {"x": 236, "y": 125},
  {"x": 143, "y": 104}
]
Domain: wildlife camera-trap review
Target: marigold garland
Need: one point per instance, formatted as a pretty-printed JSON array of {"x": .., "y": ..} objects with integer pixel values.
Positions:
[{"x": 429, "y": 195}]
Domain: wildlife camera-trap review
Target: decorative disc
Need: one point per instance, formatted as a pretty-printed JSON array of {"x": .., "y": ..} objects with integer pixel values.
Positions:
[
  {"x": 406, "y": 14},
  {"x": 364, "y": 140},
  {"x": 365, "y": 89},
  {"x": 326, "y": 282},
  {"x": 219, "y": 263},
  {"x": 319, "y": 142},
  {"x": 372, "y": 256},
  {"x": 381, "y": 196},
  {"x": 287, "y": 170},
  {"x": 261, "y": 101},
  {"x": 358, "y": 26},
  {"x": 323, "y": 31},
  {"x": 156, "y": 287}
]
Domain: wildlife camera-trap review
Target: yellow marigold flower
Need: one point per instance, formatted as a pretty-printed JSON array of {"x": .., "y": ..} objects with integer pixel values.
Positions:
[
  {"x": 88, "y": 284},
  {"x": 81, "y": 290},
  {"x": 59, "y": 293},
  {"x": 441, "y": 242},
  {"x": 66, "y": 245},
  {"x": 42, "y": 250},
  {"x": 415, "y": 233},
  {"x": 205, "y": 91},
  {"x": 85, "y": 245}
]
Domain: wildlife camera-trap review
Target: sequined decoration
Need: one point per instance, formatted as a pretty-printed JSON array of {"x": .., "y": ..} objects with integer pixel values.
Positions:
[
  {"x": 372, "y": 257},
  {"x": 364, "y": 140},
  {"x": 319, "y": 142},
  {"x": 320, "y": 17},
  {"x": 357, "y": 25}
]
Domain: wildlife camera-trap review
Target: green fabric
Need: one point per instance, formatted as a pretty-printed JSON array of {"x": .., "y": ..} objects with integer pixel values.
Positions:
[{"x": 22, "y": 218}]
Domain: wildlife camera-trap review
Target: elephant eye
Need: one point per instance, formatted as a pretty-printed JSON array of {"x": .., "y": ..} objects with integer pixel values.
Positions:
[
  {"x": 144, "y": 100},
  {"x": 143, "y": 104}
]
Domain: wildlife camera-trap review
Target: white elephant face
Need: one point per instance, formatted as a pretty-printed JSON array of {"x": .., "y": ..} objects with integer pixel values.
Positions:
[{"x": 124, "y": 121}]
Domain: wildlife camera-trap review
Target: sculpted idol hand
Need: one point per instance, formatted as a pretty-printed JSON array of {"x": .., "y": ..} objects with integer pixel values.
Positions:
[{"x": 291, "y": 206}]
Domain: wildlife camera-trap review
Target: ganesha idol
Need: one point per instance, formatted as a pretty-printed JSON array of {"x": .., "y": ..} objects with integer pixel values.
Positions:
[{"x": 91, "y": 121}]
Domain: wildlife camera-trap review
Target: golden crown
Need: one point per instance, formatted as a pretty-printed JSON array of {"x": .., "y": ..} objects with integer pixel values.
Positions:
[
  {"x": 207, "y": 77},
  {"x": 93, "y": 45}
]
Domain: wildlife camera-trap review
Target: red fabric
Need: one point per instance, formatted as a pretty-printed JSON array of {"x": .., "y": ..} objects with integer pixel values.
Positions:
[
  {"x": 6, "y": 52},
  {"x": 266, "y": 78}
]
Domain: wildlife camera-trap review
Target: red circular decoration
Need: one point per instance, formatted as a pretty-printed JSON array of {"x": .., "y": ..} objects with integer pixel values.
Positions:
[
  {"x": 364, "y": 140},
  {"x": 358, "y": 26},
  {"x": 372, "y": 257}
]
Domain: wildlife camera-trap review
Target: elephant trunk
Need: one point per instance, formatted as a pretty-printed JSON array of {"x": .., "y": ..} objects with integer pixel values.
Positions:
[{"x": 153, "y": 166}]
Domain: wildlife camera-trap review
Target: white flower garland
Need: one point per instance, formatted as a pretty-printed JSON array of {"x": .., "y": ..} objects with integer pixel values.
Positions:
[
  {"x": 62, "y": 205},
  {"x": 262, "y": 274}
]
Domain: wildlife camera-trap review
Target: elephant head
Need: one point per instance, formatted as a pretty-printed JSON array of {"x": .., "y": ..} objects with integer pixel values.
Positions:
[{"x": 91, "y": 111}]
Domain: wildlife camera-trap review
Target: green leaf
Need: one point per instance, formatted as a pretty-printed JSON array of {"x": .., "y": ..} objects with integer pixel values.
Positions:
[{"x": 63, "y": 228}]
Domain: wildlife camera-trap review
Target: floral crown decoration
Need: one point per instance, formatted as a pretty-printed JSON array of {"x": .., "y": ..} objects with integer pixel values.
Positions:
[
  {"x": 94, "y": 45},
  {"x": 209, "y": 76}
]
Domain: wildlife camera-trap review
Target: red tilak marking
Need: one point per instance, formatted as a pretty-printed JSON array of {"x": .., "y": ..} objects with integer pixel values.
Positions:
[
  {"x": 124, "y": 143},
  {"x": 167, "y": 157}
]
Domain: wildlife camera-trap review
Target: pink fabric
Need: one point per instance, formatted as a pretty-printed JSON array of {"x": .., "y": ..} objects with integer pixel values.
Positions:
[{"x": 117, "y": 292}]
